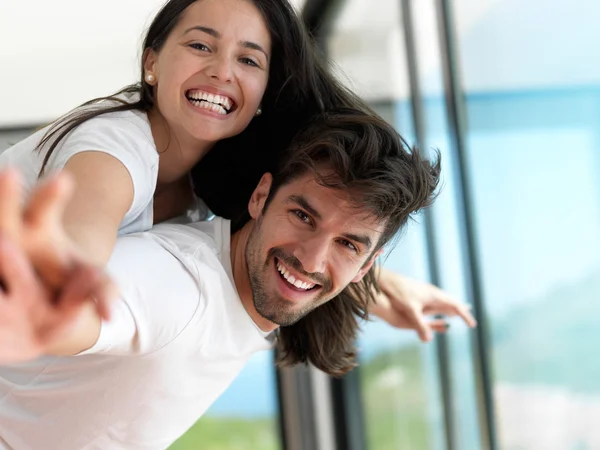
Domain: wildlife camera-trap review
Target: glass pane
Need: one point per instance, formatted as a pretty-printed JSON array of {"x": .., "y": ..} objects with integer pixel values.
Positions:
[
  {"x": 245, "y": 417},
  {"x": 447, "y": 226},
  {"x": 533, "y": 104},
  {"x": 399, "y": 375}
]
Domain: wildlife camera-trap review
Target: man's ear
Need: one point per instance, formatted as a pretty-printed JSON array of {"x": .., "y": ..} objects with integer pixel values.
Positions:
[
  {"x": 363, "y": 271},
  {"x": 150, "y": 66},
  {"x": 260, "y": 195}
]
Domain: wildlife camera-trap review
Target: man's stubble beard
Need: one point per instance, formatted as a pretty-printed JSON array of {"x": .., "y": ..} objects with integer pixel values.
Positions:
[{"x": 269, "y": 306}]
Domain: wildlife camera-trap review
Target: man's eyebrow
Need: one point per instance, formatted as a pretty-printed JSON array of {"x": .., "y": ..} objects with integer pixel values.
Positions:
[
  {"x": 214, "y": 33},
  {"x": 301, "y": 200}
]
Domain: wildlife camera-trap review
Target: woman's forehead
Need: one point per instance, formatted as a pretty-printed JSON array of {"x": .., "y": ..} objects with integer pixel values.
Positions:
[{"x": 240, "y": 18}]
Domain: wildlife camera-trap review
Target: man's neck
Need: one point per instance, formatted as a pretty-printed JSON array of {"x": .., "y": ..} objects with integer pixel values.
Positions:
[{"x": 239, "y": 241}]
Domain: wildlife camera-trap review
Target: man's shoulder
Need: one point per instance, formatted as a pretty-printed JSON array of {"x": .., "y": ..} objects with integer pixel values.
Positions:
[{"x": 210, "y": 237}]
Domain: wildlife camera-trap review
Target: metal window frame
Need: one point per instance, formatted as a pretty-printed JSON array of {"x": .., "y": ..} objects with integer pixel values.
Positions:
[
  {"x": 419, "y": 125},
  {"x": 455, "y": 105}
]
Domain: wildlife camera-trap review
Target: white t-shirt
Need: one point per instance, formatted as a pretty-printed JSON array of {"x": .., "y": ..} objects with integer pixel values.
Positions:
[
  {"x": 178, "y": 337},
  {"x": 124, "y": 135}
]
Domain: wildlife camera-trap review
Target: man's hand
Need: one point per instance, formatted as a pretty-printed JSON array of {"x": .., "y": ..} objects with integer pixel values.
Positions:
[
  {"x": 46, "y": 284},
  {"x": 405, "y": 303}
]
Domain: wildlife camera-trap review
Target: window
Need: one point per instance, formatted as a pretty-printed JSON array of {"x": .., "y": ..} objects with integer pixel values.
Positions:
[
  {"x": 533, "y": 146},
  {"x": 399, "y": 378}
]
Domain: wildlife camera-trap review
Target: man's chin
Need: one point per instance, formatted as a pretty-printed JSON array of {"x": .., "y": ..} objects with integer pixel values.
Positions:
[{"x": 279, "y": 317}]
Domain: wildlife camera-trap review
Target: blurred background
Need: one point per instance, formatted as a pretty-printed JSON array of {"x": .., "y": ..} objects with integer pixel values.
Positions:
[{"x": 509, "y": 92}]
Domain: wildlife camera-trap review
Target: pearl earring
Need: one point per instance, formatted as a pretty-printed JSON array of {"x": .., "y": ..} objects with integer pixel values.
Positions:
[
  {"x": 259, "y": 111},
  {"x": 150, "y": 78}
]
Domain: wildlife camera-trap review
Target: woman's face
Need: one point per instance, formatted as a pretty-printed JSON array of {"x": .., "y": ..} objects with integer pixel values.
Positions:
[{"x": 212, "y": 72}]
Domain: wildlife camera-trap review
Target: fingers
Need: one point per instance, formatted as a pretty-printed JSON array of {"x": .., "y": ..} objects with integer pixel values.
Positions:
[
  {"x": 46, "y": 244},
  {"x": 87, "y": 283},
  {"x": 105, "y": 294},
  {"x": 78, "y": 291},
  {"x": 47, "y": 204},
  {"x": 464, "y": 312},
  {"x": 417, "y": 319},
  {"x": 52, "y": 261},
  {"x": 446, "y": 305},
  {"x": 79, "y": 287},
  {"x": 11, "y": 197},
  {"x": 16, "y": 271},
  {"x": 439, "y": 325},
  {"x": 76, "y": 295}
]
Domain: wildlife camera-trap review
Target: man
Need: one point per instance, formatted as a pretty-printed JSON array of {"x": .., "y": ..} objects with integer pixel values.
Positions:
[{"x": 195, "y": 303}]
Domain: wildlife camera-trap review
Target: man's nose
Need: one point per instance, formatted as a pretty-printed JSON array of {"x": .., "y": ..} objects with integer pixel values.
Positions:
[{"x": 313, "y": 253}]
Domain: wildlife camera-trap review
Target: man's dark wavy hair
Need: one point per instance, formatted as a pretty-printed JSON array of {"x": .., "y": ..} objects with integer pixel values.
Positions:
[{"x": 357, "y": 152}]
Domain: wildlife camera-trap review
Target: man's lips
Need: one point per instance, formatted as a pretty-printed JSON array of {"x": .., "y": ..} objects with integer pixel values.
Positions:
[{"x": 293, "y": 277}]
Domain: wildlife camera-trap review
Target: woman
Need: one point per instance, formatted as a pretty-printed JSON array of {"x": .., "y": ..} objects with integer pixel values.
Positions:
[{"x": 238, "y": 75}]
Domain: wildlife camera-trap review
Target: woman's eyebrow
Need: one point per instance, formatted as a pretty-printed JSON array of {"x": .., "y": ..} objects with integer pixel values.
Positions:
[{"x": 214, "y": 33}]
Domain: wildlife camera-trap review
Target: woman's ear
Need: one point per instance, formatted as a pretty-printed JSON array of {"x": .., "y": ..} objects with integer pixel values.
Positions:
[{"x": 150, "y": 68}]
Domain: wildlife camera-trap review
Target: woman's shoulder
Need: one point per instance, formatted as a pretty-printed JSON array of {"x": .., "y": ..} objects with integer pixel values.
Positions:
[
  {"x": 133, "y": 122},
  {"x": 123, "y": 134}
]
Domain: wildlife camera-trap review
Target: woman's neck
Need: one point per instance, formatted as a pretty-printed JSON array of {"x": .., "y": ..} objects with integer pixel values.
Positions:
[{"x": 177, "y": 155}]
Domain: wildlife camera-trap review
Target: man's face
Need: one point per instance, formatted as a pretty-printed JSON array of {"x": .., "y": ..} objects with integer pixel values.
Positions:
[{"x": 308, "y": 245}]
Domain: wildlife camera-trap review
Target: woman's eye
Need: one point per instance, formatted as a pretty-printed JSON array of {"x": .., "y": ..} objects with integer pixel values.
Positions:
[
  {"x": 249, "y": 62},
  {"x": 201, "y": 47}
]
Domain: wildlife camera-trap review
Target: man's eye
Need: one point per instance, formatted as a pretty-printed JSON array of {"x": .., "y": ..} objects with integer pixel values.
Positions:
[
  {"x": 350, "y": 245},
  {"x": 302, "y": 216}
]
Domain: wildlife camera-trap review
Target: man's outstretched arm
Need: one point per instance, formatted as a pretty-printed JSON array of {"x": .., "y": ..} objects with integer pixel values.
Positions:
[{"x": 406, "y": 303}]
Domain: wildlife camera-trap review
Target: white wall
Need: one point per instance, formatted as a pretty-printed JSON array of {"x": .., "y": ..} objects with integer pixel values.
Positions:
[{"x": 56, "y": 54}]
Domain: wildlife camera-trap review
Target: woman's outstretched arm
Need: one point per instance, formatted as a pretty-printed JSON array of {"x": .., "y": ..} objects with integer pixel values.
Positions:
[{"x": 35, "y": 317}]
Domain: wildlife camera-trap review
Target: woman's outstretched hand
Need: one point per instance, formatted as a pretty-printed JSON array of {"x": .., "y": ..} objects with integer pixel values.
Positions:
[{"x": 45, "y": 284}]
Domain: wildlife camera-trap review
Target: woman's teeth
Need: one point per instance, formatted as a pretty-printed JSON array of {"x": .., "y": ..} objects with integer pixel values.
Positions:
[
  {"x": 207, "y": 105},
  {"x": 217, "y": 103},
  {"x": 290, "y": 279}
]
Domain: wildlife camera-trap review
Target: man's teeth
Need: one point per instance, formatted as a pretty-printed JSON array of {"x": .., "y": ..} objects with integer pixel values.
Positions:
[
  {"x": 292, "y": 280},
  {"x": 219, "y": 100}
]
